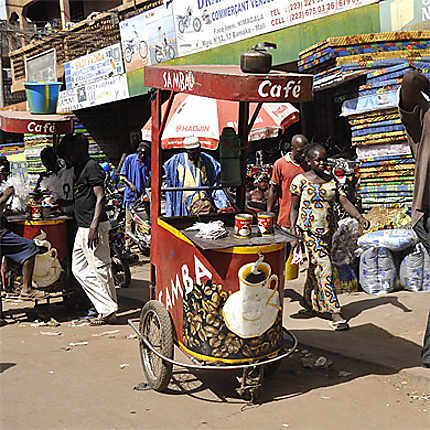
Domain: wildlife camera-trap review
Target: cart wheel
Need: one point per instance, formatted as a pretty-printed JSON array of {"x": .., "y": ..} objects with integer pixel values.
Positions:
[{"x": 156, "y": 326}]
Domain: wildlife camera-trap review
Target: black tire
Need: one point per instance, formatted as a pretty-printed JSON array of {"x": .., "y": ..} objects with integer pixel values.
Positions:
[
  {"x": 128, "y": 54},
  {"x": 170, "y": 52},
  {"x": 121, "y": 272},
  {"x": 158, "y": 56},
  {"x": 155, "y": 318},
  {"x": 143, "y": 49},
  {"x": 197, "y": 25},
  {"x": 181, "y": 26}
]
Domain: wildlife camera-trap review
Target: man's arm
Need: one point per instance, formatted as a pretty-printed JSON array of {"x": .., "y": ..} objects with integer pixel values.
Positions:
[
  {"x": 127, "y": 182},
  {"x": 273, "y": 196},
  {"x": 9, "y": 191},
  {"x": 92, "y": 234},
  {"x": 413, "y": 85}
]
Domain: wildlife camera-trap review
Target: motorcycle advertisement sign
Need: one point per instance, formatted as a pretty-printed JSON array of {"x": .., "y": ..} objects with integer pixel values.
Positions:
[
  {"x": 205, "y": 24},
  {"x": 148, "y": 38}
]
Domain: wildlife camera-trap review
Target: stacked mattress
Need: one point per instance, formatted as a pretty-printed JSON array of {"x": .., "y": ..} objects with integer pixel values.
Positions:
[
  {"x": 34, "y": 143},
  {"x": 385, "y": 163},
  {"x": 95, "y": 151},
  {"x": 14, "y": 152}
]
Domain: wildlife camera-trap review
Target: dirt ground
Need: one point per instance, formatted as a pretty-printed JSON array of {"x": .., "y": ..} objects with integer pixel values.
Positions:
[{"x": 47, "y": 383}]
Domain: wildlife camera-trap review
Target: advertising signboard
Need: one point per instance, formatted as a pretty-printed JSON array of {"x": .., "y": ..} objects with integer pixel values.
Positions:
[
  {"x": 95, "y": 93},
  {"x": 205, "y": 24},
  {"x": 148, "y": 38},
  {"x": 106, "y": 62}
]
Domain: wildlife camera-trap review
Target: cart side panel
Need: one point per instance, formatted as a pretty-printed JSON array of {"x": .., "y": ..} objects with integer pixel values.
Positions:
[{"x": 217, "y": 315}]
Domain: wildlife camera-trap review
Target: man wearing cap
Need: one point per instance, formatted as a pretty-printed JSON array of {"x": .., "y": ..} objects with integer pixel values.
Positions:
[
  {"x": 135, "y": 172},
  {"x": 192, "y": 168}
]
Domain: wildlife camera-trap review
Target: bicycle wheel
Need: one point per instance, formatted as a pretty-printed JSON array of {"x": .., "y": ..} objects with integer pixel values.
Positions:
[
  {"x": 156, "y": 326},
  {"x": 143, "y": 49}
]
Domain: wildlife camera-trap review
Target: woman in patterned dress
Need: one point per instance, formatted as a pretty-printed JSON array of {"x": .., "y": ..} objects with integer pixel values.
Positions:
[{"x": 312, "y": 217}]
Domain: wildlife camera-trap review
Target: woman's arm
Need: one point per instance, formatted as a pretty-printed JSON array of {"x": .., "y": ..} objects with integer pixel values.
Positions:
[{"x": 353, "y": 211}]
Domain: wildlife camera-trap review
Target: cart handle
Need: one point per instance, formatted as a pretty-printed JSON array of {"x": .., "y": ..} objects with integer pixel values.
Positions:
[
  {"x": 285, "y": 332},
  {"x": 215, "y": 187}
]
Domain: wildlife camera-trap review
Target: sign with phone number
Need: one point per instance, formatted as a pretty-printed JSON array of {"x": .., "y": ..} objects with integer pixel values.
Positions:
[
  {"x": 205, "y": 24},
  {"x": 299, "y": 11}
]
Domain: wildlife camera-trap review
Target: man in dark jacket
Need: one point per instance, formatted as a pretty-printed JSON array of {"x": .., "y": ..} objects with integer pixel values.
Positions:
[{"x": 415, "y": 114}]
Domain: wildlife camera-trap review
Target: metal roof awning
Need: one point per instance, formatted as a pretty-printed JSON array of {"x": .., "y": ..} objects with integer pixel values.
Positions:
[{"x": 26, "y": 122}]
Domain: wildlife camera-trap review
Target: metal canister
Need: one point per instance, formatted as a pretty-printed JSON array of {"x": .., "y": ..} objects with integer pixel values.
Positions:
[
  {"x": 265, "y": 223},
  {"x": 36, "y": 210},
  {"x": 242, "y": 225}
]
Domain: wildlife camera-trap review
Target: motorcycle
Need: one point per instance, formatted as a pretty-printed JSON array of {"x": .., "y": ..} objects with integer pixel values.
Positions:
[
  {"x": 140, "y": 232},
  {"x": 184, "y": 21},
  {"x": 164, "y": 51},
  {"x": 120, "y": 257},
  {"x": 135, "y": 44}
]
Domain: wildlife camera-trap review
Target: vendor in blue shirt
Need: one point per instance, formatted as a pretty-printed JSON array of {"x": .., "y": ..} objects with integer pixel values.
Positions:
[{"x": 135, "y": 172}]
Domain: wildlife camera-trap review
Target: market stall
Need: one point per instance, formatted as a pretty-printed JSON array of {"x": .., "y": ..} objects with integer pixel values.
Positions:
[{"x": 52, "y": 268}]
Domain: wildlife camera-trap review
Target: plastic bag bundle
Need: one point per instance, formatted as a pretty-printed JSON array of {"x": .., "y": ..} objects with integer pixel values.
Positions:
[
  {"x": 344, "y": 279},
  {"x": 18, "y": 202},
  {"x": 344, "y": 241},
  {"x": 415, "y": 270},
  {"x": 394, "y": 240},
  {"x": 378, "y": 271}
]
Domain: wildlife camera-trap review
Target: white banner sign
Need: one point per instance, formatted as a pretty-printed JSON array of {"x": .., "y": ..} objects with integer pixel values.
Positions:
[
  {"x": 93, "y": 94},
  {"x": 205, "y": 24},
  {"x": 148, "y": 38},
  {"x": 104, "y": 63}
]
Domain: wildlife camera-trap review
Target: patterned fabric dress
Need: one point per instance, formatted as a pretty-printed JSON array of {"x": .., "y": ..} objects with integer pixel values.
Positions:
[{"x": 317, "y": 222}]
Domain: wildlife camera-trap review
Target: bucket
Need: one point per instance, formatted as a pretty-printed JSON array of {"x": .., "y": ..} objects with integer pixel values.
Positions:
[
  {"x": 291, "y": 270},
  {"x": 42, "y": 97}
]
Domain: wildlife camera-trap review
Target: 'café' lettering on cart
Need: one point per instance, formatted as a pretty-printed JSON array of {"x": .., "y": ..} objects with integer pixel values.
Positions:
[
  {"x": 183, "y": 281},
  {"x": 37, "y": 127},
  {"x": 179, "y": 81},
  {"x": 269, "y": 89}
]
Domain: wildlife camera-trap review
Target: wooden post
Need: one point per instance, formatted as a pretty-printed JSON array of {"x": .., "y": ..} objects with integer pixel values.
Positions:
[{"x": 64, "y": 13}]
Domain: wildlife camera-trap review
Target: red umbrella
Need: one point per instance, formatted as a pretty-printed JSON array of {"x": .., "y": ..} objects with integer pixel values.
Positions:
[{"x": 205, "y": 118}]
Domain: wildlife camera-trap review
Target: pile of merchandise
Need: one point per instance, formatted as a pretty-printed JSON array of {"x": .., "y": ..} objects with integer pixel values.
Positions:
[
  {"x": 34, "y": 143},
  {"x": 385, "y": 164},
  {"x": 14, "y": 152},
  {"x": 94, "y": 149}
]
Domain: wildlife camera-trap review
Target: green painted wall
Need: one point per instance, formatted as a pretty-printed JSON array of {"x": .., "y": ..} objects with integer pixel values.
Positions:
[{"x": 290, "y": 41}]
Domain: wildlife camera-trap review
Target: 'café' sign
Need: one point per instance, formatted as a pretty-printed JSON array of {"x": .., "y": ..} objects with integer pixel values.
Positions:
[{"x": 230, "y": 83}]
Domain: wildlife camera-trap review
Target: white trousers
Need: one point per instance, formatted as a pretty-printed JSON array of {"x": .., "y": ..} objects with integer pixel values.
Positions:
[{"x": 92, "y": 268}]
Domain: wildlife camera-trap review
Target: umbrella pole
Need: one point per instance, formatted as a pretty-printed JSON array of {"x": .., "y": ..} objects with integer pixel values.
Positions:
[
  {"x": 254, "y": 117},
  {"x": 167, "y": 112},
  {"x": 243, "y": 136}
]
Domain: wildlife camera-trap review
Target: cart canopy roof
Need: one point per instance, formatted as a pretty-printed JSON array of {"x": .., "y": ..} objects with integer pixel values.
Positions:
[{"x": 228, "y": 82}]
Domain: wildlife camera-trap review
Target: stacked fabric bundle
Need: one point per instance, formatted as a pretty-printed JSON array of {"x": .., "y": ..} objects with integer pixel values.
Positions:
[
  {"x": 362, "y": 48},
  {"x": 94, "y": 149},
  {"x": 385, "y": 163},
  {"x": 34, "y": 143},
  {"x": 14, "y": 152}
]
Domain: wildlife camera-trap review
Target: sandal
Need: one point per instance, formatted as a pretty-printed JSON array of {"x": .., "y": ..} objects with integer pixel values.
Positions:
[
  {"x": 104, "y": 320},
  {"x": 34, "y": 295},
  {"x": 339, "y": 325}
]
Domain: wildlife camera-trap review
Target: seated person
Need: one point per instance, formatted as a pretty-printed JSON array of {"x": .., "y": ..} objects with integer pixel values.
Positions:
[
  {"x": 20, "y": 250},
  {"x": 193, "y": 168}
]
